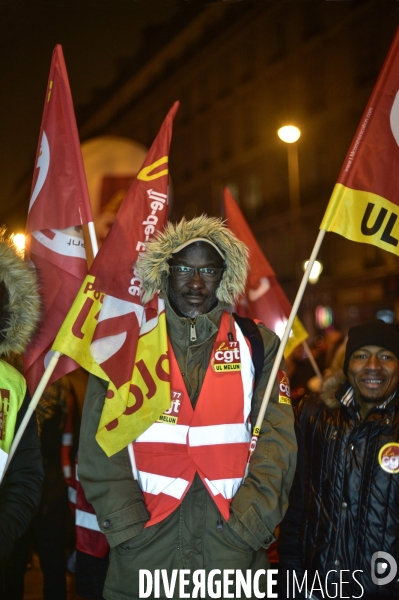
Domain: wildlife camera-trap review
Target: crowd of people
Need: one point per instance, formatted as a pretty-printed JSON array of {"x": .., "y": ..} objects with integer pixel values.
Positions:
[{"x": 181, "y": 512}]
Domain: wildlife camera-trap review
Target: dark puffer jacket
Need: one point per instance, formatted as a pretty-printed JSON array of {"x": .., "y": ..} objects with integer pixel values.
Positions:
[{"x": 343, "y": 506}]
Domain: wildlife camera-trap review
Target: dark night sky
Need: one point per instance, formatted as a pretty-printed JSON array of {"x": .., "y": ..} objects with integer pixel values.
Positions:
[
  {"x": 100, "y": 38},
  {"x": 97, "y": 36}
]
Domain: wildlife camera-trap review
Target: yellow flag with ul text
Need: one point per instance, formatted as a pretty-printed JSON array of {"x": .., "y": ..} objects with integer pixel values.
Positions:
[{"x": 131, "y": 406}]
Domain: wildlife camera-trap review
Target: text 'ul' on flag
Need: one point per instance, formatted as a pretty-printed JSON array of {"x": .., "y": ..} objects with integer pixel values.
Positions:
[
  {"x": 108, "y": 331},
  {"x": 364, "y": 206},
  {"x": 59, "y": 205}
]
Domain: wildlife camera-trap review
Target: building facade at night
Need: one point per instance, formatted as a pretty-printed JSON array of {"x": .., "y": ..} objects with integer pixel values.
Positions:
[{"x": 241, "y": 71}]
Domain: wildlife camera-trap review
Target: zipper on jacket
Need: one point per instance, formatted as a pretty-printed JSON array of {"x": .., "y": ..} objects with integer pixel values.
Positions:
[
  {"x": 193, "y": 332},
  {"x": 230, "y": 334},
  {"x": 219, "y": 523}
]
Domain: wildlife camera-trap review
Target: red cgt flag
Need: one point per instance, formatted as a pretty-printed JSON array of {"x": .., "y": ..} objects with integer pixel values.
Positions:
[
  {"x": 264, "y": 298},
  {"x": 108, "y": 330},
  {"x": 59, "y": 205}
]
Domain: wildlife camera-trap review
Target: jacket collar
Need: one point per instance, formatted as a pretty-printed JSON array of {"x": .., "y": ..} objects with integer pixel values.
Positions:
[
  {"x": 337, "y": 391},
  {"x": 205, "y": 325}
]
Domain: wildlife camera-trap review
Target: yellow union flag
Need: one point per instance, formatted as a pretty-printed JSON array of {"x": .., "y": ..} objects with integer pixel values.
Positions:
[
  {"x": 297, "y": 336},
  {"x": 363, "y": 217},
  {"x": 364, "y": 206},
  {"x": 136, "y": 404}
]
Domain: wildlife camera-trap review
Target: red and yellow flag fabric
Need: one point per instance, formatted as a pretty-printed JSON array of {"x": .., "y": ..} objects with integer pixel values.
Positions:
[
  {"x": 59, "y": 205},
  {"x": 264, "y": 298},
  {"x": 108, "y": 331},
  {"x": 364, "y": 206}
]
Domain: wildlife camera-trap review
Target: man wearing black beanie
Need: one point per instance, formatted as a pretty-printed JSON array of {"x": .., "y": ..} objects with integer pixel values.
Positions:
[{"x": 340, "y": 535}]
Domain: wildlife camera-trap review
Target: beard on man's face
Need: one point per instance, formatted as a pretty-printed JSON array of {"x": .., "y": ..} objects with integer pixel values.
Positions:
[{"x": 181, "y": 304}]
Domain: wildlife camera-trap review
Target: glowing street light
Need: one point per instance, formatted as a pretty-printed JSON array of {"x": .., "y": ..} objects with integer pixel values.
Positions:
[
  {"x": 315, "y": 271},
  {"x": 289, "y": 134},
  {"x": 18, "y": 239}
]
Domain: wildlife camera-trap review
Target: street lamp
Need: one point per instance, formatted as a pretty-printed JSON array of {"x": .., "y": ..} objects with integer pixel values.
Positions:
[{"x": 290, "y": 135}]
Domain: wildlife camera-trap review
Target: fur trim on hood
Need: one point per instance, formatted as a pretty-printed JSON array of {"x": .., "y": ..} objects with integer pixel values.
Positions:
[
  {"x": 19, "y": 299},
  {"x": 330, "y": 387},
  {"x": 153, "y": 268}
]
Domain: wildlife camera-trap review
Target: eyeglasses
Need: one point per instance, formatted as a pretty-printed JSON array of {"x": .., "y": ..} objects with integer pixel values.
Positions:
[{"x": 183, "y": 273}]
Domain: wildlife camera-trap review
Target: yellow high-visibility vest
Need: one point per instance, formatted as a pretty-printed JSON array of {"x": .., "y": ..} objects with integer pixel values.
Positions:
[{"x": 12, "y": 394}]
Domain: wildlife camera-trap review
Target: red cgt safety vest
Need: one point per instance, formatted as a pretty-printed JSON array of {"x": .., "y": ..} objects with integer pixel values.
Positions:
[
  {"x": 212, "y": 440},
  {"x": 89, "y": 538}
]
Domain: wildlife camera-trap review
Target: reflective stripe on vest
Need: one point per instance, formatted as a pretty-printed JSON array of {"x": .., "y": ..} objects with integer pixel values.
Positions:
[
  {"x": 213, "y": 440},
  {"x": 85, "y": 519},
  {"x": 12, "y": 394},
  {"x": 89, "y": 538}
]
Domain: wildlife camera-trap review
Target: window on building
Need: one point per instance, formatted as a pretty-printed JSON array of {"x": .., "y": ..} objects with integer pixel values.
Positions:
[
  {"x": 315, "y": 86},
  {"x": 204, "y": 149},
  {"x": 185, "y": 106},
  {"x": 247, "y": 59},
  {"x": 234, "y": 189},
  {"x": 312, "y": 19},
  {"x": 226, "y": 139},
  {"x": 367, "y": 63},
  {"x": 252, "y": 193},
  {"x": 186, "y": 159},
  {"x": 278, "y": 42},
  {"x": 225, "y": 75},
  {"x": 203, "y": 91}
]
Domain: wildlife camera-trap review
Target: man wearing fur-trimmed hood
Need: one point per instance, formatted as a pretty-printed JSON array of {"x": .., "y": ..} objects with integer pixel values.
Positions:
[
  {"x": 341, "y": 531},
  {"x": 189, "y": 508},
  {"x": 21, "y": 487}
]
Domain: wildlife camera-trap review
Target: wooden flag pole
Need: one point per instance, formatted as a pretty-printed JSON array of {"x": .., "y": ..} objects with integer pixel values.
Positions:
[
  {"x": 44, "y": 380},
  {"x": 283, "y": 343}
]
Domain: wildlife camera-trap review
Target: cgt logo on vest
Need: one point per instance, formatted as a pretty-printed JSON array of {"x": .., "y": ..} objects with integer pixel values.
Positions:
[
  {"x": 227, "y": 357},
  {"x": 388, "y": 457},
  {"x": 4, "y": 407},
  {"x": 284, "y": 390},
  {"x": 170, "y": 415}
]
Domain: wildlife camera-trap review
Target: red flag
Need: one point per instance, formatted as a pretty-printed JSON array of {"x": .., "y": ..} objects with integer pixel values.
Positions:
[
  {"x": 107, "y": 321},
  {"x": 142, "y": 213},
  {"x": 59, "y": 205},
  {"x": 364, "y": 206},
  {"x": 264, "y": 298}
]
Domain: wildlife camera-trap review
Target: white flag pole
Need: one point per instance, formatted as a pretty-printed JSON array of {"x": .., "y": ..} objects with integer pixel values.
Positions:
[
  {"x": 32, "y": 405},
  {"x": 45, "y": 378},
  {"x": 283, "y": 343},
  {"x": 93, "y": 238},
  {"x": 312, "y": 361}
]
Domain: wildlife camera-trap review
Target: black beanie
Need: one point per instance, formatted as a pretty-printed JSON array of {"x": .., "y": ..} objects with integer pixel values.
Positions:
[{"x": 376, "y": 333}]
